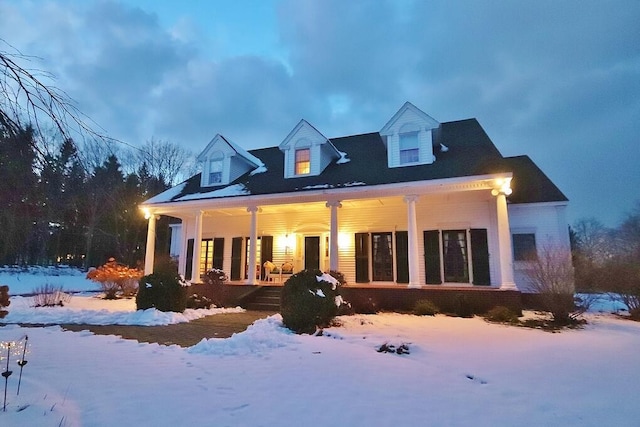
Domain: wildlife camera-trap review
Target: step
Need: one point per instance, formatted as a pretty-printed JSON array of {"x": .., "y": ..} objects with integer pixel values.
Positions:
[{"x": 263, "y": 307}]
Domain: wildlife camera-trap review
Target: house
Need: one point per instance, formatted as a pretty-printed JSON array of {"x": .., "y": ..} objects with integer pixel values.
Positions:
[{"x": 417, "y": 209}]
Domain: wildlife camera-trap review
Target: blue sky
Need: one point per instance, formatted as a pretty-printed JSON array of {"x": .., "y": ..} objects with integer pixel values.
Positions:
[{"x": 556, "y": 80}]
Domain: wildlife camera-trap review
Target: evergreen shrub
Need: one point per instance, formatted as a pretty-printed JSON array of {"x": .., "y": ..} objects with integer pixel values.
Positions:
[
  {"x": 163, "y": 290},
  {"x": 4, "y": 300},
  {"x": 309, "y": 300},
  {"x": 425, "y": 307},
  {"x": 501, "y": 314}
]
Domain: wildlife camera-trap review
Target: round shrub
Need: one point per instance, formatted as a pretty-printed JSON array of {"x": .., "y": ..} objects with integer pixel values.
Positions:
[
  {"x": 4, "y": 300},
  {"x": 309, "y": 300},
  {"x": 425, "y": 307},
  {"x": 163, "y": 290},
  {"x": 501, "y": 314},
  {"x": 215, "y": 276}
]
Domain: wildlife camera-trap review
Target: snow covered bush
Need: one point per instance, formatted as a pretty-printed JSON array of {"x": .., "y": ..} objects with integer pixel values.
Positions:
[
  {"x": 49, "y": 295},
  {"x": 116, "y": 278},
  {"x": 196, "y": 301},
  {"x": 309, "y": 300},
  {"x": 163, "y": 290},
  {"x": 215, "y": 276},
  {"x": 4, "y": 300}
]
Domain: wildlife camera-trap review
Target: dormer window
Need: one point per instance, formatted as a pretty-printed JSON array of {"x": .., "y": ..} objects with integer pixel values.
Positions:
[
  {"x": 303, "y": 161},
  {"x": 409, "y": 148},
  {"x": 216, "y": 166}
]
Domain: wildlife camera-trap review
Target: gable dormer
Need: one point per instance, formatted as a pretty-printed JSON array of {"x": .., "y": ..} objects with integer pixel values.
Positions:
[
  {"x": 223, "y": 162},
  {"x": 409, "y": 137},
  {"x": 307, "y": 152}
]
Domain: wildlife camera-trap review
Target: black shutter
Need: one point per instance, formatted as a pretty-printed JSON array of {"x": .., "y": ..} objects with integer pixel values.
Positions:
[
  {"x": 402, "y": 257},
  {"x": 480, "y": 257},
  {"x": 432, "y": 257},
  {"x": 362, "y": 257},
  {"x": 189, "y": 266},
  {"x": 218, "y": 252},
  {"x": 266, "y": 249},
  {"x": 236, "y": 258}
]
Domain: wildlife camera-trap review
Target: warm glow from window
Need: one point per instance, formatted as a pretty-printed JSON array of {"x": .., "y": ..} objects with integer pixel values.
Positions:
[
  {"x": 345, "y": 241},
  {"x": 303, "y": 161},
  {"x": 287, "y": 243}
]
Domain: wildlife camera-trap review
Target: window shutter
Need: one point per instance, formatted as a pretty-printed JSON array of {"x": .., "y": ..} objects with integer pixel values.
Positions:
[
  {"x": 362, "y": 257},
  {"x": 218, "y": 252},
  {"x": 236, "y": 258},
  {"x": 402, "y": 257},
  {"x": 480, "y": 257},
  {"x": 189, "y": 267},
  {"x": 432, "y": 257}
]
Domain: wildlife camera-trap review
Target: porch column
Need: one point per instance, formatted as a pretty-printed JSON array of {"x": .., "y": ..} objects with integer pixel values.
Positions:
[
  {"x": 412, "y": 236},
  {"x": 151, "y": 244},
  {"x": 333, "y": 235},
  {"x": 197, "y": 243},
  {"x": 505, "y": 258},
  {"x": 253, "y": 250},
  {"x": 182, "y": 253}
]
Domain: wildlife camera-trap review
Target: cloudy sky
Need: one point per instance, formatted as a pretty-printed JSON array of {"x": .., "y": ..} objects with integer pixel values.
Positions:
[{"x": 557, "y": 80}]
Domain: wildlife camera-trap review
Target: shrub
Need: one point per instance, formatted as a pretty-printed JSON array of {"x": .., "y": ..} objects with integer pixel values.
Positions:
[
  {"x": 196, "y": 301},
  {"x": 116, "y": 278},
  {"x": 49, "y": 296},
  {"x": 501, "y": 314},
  {"x": 164, "y": 290},
  {"x": 425, "y": 307},
  {"x": 550, "y": 275},
  {"x": 215, "y": 276},
  {"x": 4, "y": 300},
  {"x": 624, "y": 277},
  {"x": 309, "y": 300}
]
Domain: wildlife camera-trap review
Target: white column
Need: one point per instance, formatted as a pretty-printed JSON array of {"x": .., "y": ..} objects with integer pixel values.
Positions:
[
  {"x": 253, "y": 250},
  {"x": 197, "y": 243},
  {"x": 151, "y": 245},
  {"x": 333, "y": 235},
  {"x": 182, "y": 253},
  {"x": 412, "y": 235},
  {"x": 505, "y": 258}
]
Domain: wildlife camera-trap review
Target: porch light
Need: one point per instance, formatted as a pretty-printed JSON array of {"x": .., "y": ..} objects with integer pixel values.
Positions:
[
  {"x": 344, "y": 241},
  {"x": 502, "y": 186},
  {"x": 146, "y": 212}
]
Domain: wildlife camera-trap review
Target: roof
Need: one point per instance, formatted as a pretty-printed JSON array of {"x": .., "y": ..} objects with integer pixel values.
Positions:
[{"x": 467, "y": 151}]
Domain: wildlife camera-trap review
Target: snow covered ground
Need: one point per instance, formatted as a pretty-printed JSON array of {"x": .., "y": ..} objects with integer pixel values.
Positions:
[{"x": 459, "y": 372}]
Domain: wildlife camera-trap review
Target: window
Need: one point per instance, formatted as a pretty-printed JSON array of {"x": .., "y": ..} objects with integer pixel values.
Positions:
[
  {"x": 524, "y": 247},
  {"x": 303, "y": 161},
  {"x": 455, "y": 256},
  {"x": 382, "y": 257},
  {"x": 215, "y": 171},
  {"x": 409, "y": 148},
  {"x": 206, "y": 256}
]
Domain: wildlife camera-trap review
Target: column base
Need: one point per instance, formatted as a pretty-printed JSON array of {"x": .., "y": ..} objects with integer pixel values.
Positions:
[
  {"x": 414, "y": 286},
  {"x": 508, "y": 286}
]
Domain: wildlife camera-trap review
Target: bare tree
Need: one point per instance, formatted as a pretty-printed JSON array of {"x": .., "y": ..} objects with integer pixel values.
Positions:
[
  {"x": 26, "y": 98},
  {"x": 550, "y": 275},
  {"x": 165, "y": 160}
]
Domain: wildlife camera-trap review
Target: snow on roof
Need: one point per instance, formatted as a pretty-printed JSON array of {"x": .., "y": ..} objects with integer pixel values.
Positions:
[
  {"x": 244, "y": 153},
  {"x": 232, "y": 190},
  {"x": 259, "y": 169},
  {"x": 343, "y": 158},
  {"x": 167, "y": 195}
]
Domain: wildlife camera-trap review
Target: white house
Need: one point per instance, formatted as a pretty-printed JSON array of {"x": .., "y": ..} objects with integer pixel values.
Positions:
[{"x": 418, "y": 204}]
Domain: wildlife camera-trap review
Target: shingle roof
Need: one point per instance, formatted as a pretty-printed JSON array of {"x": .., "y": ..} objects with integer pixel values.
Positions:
[{"x": 469, "y": 152}]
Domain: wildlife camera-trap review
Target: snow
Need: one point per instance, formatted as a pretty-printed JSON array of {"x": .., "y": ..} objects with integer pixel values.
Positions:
[
  {"x": 459, "y": 372},
  {"x": 167, "y": 195},
  {"x": 343, "y": 158},
  {"x": 231, "y": 190}
]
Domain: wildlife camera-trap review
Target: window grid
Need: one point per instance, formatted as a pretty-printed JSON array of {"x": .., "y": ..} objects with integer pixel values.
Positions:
[{"x": 303, "y": 161}]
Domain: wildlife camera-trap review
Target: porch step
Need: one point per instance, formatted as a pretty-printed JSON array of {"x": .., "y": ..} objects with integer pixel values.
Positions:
[{"x": 265, "y": 299}]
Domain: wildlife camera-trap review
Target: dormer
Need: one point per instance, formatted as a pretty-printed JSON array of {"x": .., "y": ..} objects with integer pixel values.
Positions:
[
  {"x": 307, "y": 152},
  {"x": 408, "y": 137},
  {"x": 223, "y": 162}
]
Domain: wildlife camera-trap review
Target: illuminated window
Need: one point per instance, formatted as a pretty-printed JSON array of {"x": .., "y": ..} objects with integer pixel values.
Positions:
[
  {"x": 409, "y": 148},
  {"x": 206, "y": 256},
  {"x": 303, "y": 161}
]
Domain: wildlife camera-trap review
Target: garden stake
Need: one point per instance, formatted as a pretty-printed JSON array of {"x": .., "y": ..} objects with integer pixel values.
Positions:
[
  {"x": 22, "y": 362},
  {"x": 6, "y": 375}
]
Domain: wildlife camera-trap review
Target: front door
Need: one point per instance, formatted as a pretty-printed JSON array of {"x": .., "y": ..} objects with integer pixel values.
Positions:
[{"x": 312, "y": 252}]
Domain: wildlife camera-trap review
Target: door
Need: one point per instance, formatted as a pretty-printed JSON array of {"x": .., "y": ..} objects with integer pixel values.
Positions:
[
  {"x": 312, "y": 252},
  {"x": 455, "y": 256}
]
